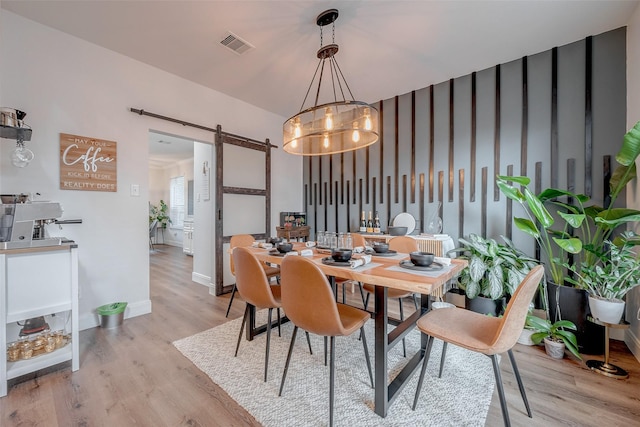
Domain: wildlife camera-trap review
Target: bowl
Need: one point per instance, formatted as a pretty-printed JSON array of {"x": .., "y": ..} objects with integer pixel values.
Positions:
[
  {"x": 421, "y": 259},
  {"x": 274, "y": 240},
  {"x": 341, "y": 255},
  {"x": 380, "y": 247},
  {"x": 284, "y": 247},
  {"x": 397, "y": 231}
]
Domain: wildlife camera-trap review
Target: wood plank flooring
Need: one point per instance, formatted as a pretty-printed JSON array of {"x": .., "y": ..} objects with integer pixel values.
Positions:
[{"x": 134, "y": 376}]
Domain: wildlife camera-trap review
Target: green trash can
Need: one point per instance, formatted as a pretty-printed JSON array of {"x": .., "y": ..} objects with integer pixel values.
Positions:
[{"x": 111, "y": 315}]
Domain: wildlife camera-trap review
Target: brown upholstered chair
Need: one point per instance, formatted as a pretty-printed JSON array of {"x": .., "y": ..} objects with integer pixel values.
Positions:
[
  {"x": 254, "y": 288},
  {"x": 244, "y": 240},
  {"x": 483, "y": 334},
  {"x": 308, "y": 300},
  {"x": 402, "y": 244}
]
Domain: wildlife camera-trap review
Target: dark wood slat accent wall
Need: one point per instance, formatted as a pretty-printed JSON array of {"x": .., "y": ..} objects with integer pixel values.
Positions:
[
  {"x": 374, "y": 205},
  {"x": 331, "y": 179},
  {"x": 431, "y": 143},
  {"x": 413, "y": 146},
  {"x": 404, "y": 193},
  {"x": 366, "y": 172},
  {"x": 496, "y": 136},
  {"x": 524, "y": 138},
  {"x": 554, "y": 117},
  {"x": 353, "y": 171},
  {"x": 460, "y": 202},
  {"x": 451, "y": 139},
  {"x": 509, "y": 210},
  {"x": 335, "y": 206},
  {"x": 472, "y": 165},
  {"x": 381, "y": 149},
  {"x": 396, "y": 158},
  {"x": 322, "y": 183},
  {"x": 483, "y": 202},
  {"x": 315, "y": 207},
  {"x": 324, "y": 195},
  {"x": 388, "y": 200},
  {"x": 421, "y": 203},
  {"x": 310, "y": 166},
  {"x": 348, "y": 203},
  {"x": 588, "y": 118},
  {"x": 342, "y": 179}
]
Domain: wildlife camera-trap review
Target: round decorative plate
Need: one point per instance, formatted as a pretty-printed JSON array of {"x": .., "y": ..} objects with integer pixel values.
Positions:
[
  {"x": 330, "y": 261},
  {"x": 405, "y": 219},
  {"x": 435, "y": 266},
  {"x": 388, "y": 253}
]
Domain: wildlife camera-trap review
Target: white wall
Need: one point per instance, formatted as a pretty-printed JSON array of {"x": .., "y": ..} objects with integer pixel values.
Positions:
[
  {"x": 68, "y": 85},
  {"x": 633, "y": 116}
]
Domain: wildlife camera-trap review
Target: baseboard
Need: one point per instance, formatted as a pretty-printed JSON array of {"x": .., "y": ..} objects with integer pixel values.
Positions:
[
  {"x": 633, "y": 342},
  {"x": 201, "y": 279},
  {"x": 91, "y": 320}
]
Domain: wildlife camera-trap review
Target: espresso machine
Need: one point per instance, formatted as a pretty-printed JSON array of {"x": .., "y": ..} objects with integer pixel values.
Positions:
[{"x": 22, "y": 223}]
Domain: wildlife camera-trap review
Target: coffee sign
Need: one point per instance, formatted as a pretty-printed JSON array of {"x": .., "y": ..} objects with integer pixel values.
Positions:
[{"x": 87, "y": 164}]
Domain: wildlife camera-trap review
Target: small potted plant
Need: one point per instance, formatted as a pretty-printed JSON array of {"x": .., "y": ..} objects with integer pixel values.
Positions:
[
  {"x": 556, "y": 337},
  {"x": 609, "y": 281},
  {"x": 495, "y": 271}
]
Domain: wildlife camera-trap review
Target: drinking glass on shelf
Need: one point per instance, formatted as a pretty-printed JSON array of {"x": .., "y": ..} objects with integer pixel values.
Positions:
[
  {"x": 320, "y": 239},
  {"x": 341, "y": 240},
  {"x": 348, "y": 241},
  {"x": 333, "y": 240}
]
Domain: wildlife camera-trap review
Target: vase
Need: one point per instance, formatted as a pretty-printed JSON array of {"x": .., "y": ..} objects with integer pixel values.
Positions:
[
  {"x": 606, "y": 310},
  {"x": 484, "y": 305},
  {"x": 553, "y": 348},
  {"x": 572, "y": 304}
]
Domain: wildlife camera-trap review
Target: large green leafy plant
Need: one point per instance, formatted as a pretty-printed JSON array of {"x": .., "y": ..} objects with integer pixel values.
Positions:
[
  {"x": 577, "y": 229},
  {"x": 495, "y": 270}
]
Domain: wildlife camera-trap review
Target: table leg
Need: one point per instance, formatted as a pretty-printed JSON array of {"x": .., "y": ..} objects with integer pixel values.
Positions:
[{"x": 381, "y": 349}]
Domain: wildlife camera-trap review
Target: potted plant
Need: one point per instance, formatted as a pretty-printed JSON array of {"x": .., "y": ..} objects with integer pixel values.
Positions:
[
  {"x": 609, "y": 281},
  {"x": 571, "y": 227},
  {"x": 159, "y": 213},
  {"x": 556, "y": 337},
  {"x": 495, "y": 271}
]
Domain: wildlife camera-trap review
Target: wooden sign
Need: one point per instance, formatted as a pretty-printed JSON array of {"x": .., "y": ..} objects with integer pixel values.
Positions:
[{"x": 88, "y": 164}]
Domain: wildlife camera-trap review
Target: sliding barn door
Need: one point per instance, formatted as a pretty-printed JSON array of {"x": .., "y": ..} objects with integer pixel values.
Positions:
[{"x": 243, "y": 196}]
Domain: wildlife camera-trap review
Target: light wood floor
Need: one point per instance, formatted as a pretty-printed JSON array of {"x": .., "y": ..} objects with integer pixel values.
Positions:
[{"x": 134, "y": 375}]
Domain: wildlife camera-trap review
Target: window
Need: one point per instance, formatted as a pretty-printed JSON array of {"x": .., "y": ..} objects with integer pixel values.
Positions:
[{"x": 176, "y": 204}]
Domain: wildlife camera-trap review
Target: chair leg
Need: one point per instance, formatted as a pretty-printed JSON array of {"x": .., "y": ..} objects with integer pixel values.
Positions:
[
  {"x": 266, "y": 355},
  {"x": 286, "y": 365},
  {"x": 344, "y": 293},
  {"x": 366, "y": 301},
  {"x": 325, "y": 351},
  {"x": 520, "y": 385},
  {"x": 233, "y": 294},
  {"x": 244, "y": 319},
  {"x": 279, "y": 331},
  {"x": 404, "y": 345},
  {"x": 308, "y": 342},
  {"x": 444, "y": 352},
  {"x": 362, "y": 295},
  {"x": 423, "y": 370},
  {"x": 332, "y": 379},
  {"x": 366, "y": 354},
  {"x": 503, "y": 400}
]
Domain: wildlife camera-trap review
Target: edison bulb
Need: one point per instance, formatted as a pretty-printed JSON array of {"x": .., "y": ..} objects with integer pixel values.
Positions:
[
  {"x": 296, "y": 129},
  {"x": 325, "y": 142},
  {"x": 294, "y": 143},
  {"x": 367, "y": 119},
  {"x": 355, "y": 136},
  {"x": 328, "y": 119}
]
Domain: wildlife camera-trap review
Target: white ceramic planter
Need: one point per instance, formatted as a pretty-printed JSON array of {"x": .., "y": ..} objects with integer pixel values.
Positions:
[
  {"x": 606, "y": 310},
  {"x": 554, "y": 349},
  {"x": 525, "y": 337}
]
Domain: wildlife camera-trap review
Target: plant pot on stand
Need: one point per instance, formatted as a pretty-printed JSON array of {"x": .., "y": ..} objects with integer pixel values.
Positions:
[{"x": 606, "y": 310}]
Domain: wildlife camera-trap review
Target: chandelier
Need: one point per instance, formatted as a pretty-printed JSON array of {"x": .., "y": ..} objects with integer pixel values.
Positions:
[{"x": 334, "y": 127}]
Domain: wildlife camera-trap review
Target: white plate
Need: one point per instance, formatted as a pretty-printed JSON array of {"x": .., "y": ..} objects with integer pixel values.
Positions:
[{"x": 405, "y": 219}]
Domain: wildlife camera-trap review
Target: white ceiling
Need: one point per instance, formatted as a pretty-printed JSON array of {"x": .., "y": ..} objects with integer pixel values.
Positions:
[{"x": 387, "y": 48}]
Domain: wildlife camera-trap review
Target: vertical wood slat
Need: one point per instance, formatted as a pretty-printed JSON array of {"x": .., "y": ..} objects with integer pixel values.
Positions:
[
  {"x": 306, "y": 195},
  {"x": 496, "y": 136},
  {"x": 366, "y": 172},
  {"x": 342, "y": 180},
  {"x": 353, "y": 170},
  {"x": 331, "y": 179},
  {"x": 404, "y": 193},
  {"x": 451, "y": 138},
  {"x": 373, "y": 193},
  {"x": 326, "y": 223},
  {"x": 360, "y": 195},
  {"x": 588, "y": 118},
  {"x": 524, "y": 136},
  {"x": 571, "y": 186},
  {"x": 310, "y": 163},
  {"x": 413, "y": 146},
  {"x": 322, "y": 184},
  {"x": 388, "y": 200},
  {"x": 348, "y": 205},
  {"x": 335, "y": 208},
  {"x": 396, "y": 167},
  {"x": 315, "y": 207},
  {"x": 538, "y": 189},
  {"x": 460, "y": 202},
  {"x": 421, "y": 203},
  {"x": 441, "y": 187},
  {"x": 509, "y": 210},
  {"x": 431, "y": 143},
  {"x": 554, "y": 118},
  {"x": 472, "y": 166},
  {"x": 483, "y": 202},
  {"x": 381, "y": 145}
]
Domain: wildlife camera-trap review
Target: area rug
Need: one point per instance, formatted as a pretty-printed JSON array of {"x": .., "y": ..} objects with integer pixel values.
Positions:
[{"x": 460, "y": 398}]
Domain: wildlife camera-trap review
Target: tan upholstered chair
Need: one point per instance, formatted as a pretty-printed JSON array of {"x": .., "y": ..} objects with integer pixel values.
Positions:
[
  {"x": 254, "y": 288},
  {"x": 308, "y": 300},
  {"x": 483, "y": 334},
  {"x": 402, "y": 244},
  {"x": 244, "y": 240}
]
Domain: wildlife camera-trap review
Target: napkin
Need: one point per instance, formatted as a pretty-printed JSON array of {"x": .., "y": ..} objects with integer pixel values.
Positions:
[
  {"x": 292, "y": 253},
  {"x": 265, "y": 245},
  {"x": 306, "y": 252},
  {"x": 309, "y": 244},
  {"x": 442, "y": 260},
  {"x": 358, "y": 249},
  {"x": 364, "y": 259}
]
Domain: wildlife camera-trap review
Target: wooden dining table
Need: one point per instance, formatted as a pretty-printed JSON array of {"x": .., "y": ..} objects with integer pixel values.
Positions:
[{"x": 383, "y": 272}]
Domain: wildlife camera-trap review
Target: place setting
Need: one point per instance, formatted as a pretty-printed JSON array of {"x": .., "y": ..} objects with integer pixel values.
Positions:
[
  {"x": 422, "y": 263},
  {"x": 345, "y": 258}
]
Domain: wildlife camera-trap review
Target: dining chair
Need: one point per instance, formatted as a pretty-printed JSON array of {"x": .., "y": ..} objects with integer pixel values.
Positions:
[
  {"x": 483, "y": 334},
  {"x": 243, "y": 240},
  {"x": 308, "y": 300},
  {"x": 402, "y": 244},
  {"x": 254, "y": 288}
]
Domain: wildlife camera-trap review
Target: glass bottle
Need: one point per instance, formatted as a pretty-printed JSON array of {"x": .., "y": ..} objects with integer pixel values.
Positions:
[
  {"x": 370, "y": 224},
  {"x": 363, "y": 224},
  {"x": 376, "y": 224}
]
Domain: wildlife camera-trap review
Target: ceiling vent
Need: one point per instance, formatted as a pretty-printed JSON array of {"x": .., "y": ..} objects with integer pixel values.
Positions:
[{"x": 236, "y": 44}]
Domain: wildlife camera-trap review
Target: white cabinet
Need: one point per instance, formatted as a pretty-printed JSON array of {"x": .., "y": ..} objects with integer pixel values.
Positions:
[
  {"x": 38, "y": 282},
  {"x": 187, "y": 240}
]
